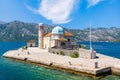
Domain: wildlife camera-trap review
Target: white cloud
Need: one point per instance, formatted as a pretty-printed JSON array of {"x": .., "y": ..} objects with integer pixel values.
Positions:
[
  {"x": 30, "y": 8},
  {"x": 58, "y": 11},
  {"x": 93, "y": 2}
]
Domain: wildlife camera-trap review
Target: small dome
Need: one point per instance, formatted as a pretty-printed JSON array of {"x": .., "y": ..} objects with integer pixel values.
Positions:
[{"x": 58, "y": 30}]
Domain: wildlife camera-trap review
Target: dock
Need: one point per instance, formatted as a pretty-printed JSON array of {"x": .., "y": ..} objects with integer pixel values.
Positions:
[{"x": 105, "y": 64}]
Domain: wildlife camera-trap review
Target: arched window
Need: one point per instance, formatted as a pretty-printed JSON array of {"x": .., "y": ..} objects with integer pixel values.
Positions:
[{"x": 68, "y": 40}]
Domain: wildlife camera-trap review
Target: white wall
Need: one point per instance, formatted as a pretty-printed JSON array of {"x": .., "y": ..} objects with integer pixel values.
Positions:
[{"x": 31, "y": 44}]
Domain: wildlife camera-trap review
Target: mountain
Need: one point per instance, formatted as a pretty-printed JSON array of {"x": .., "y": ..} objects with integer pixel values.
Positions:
[
  {"x": 21, "y": 31},
  {"x": 98, "y": 35},
  {"x": 2, "y": 22}
]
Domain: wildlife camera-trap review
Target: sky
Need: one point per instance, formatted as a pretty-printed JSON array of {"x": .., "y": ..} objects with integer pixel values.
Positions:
[{"x": 75, "y": 14}]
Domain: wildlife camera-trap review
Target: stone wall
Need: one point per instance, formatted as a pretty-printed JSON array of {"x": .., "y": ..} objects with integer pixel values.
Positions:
[
  {"x": 66, "y": 52},
  {"x": 116, "y": 69},
  {"x": 83, "y": 53},
  {"x": 87, "y": 54}
]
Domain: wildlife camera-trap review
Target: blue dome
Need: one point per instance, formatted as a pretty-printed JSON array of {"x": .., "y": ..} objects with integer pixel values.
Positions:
[{"x": 58, "y": 30}]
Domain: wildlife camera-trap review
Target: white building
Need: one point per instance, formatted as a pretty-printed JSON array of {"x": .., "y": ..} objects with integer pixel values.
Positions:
[
  {"x": 31, "y": 43},
  {"x": 58, "y": 37}
]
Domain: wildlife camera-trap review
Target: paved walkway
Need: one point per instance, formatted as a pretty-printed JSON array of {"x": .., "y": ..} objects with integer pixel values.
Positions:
[{"x": 78, "y": 64}]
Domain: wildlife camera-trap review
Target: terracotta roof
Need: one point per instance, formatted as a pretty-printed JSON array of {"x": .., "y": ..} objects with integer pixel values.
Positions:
[
  {"x": 48, "y": 34},
  {"x": 31, "y": 41},
  {"x": 63, "y": 39},
  {"x": 68, "y": 34}
]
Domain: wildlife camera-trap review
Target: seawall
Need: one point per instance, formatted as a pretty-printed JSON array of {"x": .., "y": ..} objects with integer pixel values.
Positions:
[{"x": 74, "y": 65}]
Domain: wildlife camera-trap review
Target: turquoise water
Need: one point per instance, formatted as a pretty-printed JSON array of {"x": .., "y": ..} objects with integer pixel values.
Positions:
[{"x": 14, "y": 70}]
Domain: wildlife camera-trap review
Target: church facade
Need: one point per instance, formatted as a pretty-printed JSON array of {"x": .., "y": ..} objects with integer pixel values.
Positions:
[{"x": 58, "y": 38}]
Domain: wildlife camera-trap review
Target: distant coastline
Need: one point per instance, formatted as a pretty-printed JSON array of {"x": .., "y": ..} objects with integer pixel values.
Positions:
[
  {"x": 21, "y": 31},
  {"x": 118, "y": 40}
]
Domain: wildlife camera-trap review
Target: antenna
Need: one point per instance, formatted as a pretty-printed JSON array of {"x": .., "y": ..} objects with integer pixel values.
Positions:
[{"x": 90, "y": 37}]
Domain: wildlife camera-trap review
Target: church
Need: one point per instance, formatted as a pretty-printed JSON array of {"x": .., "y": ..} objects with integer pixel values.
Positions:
[{"x": 58, "y": 38}]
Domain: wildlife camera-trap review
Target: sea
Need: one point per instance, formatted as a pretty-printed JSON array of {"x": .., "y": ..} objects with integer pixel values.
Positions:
[{"x": 15, "y": 70}]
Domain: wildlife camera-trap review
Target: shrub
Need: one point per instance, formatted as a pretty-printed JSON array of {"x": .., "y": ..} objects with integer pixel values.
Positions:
[
  {"x": 74, "y": 55},
  {"x": 62, "y": 53},
  {"x": 24, "y": 47},
  {"x": 57, "y": 52},
  {"x": 82, "y": 46}
]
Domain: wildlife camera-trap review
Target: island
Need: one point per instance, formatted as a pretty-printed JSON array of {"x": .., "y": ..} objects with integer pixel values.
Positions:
[{"x": 58, "y": 49}]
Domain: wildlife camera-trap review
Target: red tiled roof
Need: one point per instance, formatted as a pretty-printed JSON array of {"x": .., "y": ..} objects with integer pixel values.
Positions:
[
  {"x": 63, "y": 39},
  {"x": 48, "y": 34},
  {"x": 31, "y": 41},
  {"x": 67, "y": 34}
]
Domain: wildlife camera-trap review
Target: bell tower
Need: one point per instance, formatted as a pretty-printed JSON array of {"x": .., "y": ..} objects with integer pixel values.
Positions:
[{"x": 40, "y": 35}]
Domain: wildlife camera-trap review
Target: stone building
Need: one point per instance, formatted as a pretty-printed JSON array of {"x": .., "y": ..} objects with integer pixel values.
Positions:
[
  {"x": 58, "y": 38},
  {"x": 31, "y": 43}
]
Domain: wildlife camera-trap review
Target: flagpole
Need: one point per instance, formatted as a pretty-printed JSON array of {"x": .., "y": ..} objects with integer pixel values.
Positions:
[{"x": 90, "y": 37}]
